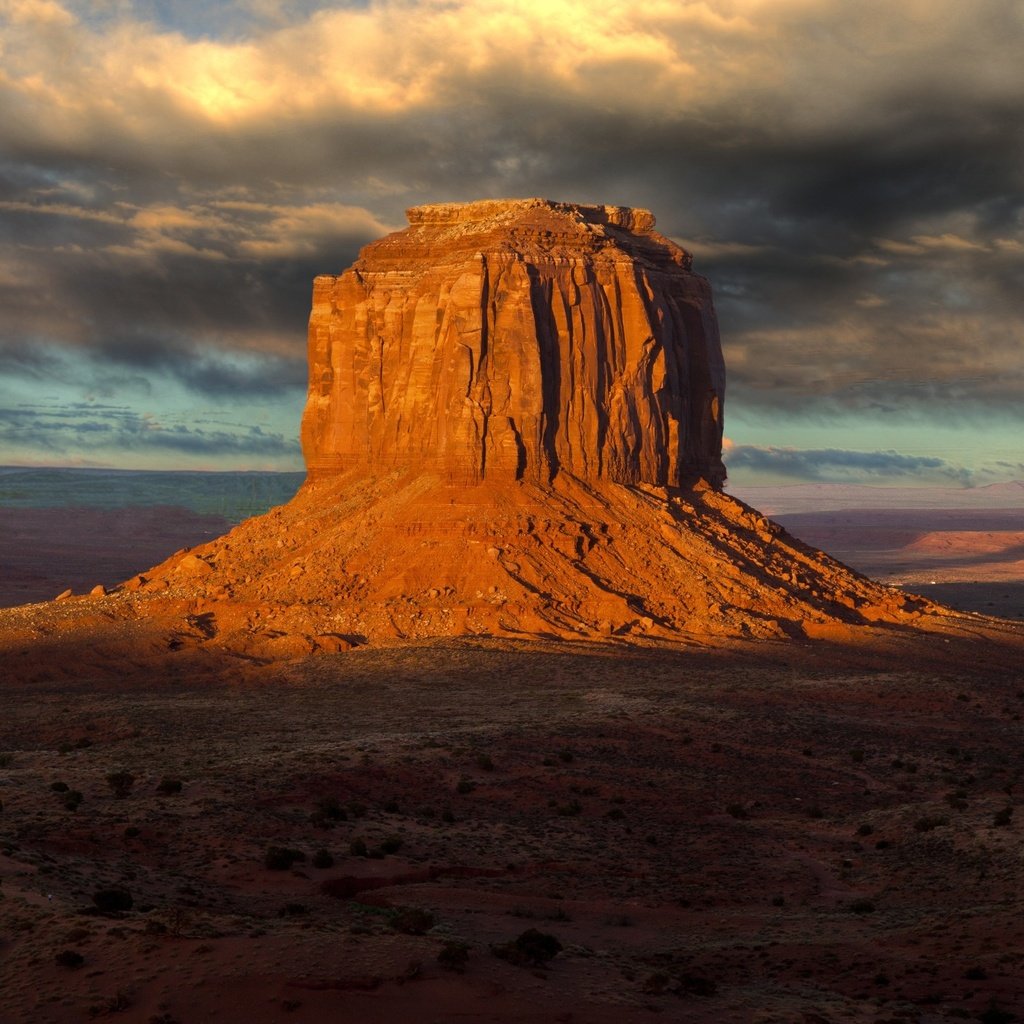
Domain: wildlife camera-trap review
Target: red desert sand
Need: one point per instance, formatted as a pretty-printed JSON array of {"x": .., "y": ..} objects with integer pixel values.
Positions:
[{"x": 511, "y": 714}]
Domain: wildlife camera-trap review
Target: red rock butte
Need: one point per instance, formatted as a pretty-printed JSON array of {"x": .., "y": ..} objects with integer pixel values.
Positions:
[
  {"x": 518, "y": 339},
  {"x": 513, "y": 429}
]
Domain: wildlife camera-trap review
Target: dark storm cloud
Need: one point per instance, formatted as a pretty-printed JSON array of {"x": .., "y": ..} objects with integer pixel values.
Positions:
[
  {"x": 839, "y": 465},
  {"x": 850, "y": 177},
  {"x": 215, "y": 296},
  {"x": 78, "y": 428},
  {"x": 146, "y": 363},
  {"x": 216, "y": 373}
]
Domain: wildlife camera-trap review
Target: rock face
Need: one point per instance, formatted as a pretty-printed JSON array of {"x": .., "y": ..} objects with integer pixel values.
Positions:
[{"x": 516, "y": 340}]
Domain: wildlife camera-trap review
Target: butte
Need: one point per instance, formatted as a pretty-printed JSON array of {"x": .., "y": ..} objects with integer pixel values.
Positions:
[{"x": 514, "y": 430}]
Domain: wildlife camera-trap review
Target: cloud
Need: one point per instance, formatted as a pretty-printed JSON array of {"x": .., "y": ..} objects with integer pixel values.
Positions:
[
  {"x": 81, "y": 428},
  {"x": 835, "y": 465},
  {"x": 150, "y": 362}
]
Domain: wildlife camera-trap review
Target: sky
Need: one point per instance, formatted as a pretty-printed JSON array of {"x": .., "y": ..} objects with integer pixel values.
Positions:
[{"x": 849, "y": 175}]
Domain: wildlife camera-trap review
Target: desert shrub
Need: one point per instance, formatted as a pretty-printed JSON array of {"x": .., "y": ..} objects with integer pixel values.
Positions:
[
  {"x": 571, "y": 809},
  {"x": 465, "y": 785},
  {"x": 737, "y": 811},
  {"x": 293, "y": 910},
  {"x": 976, "y": 974},
  {"x": 323, "y": 859},
  {"x": 566, "y": 756},
  {"x": 862, "y": 906},
  {"x": 447, "y": 815},
  {"x": 330, "y": 807},
  {"x": 532, "y": 948},
  {"x": 778, "y": 901},
  {"x": 168, "y": 786},
  {"x": 615, "y": 814},
  {"x": 121, "y": 783},
  {"x": 454, "y": 956},
  {"x": 69, "y": 958},
  {"x": 929, "y": 822},
  {"x": 392, "y": 844},
  {"x": 6, "y": 760},
  {"x": 281, "y": 858},
  {"x": 72, "y": 798},
  {"x": 656, "y": 984},
  {"x": 356, "y": 809},
  {"x": 117, "y": 1003},
  {"x": 857, "y": 756},
  {"x": 814, "y": 811},
  {"x": 328, "y": 811},
  {"x": 865, "y": 828},
  {"x": 391, "y": 807},
  {"x": 1002, "y": 818},
  {"x": 113, "y": 900},
  {"x": 659, "y": 983},
  {"x": 59, "y": 787},
  {"x": 995, "y": 1015},
  {"x": 132, "y": 832},
  {"x": 484, "y": 762},
  {"x": 358, "y": 848},
  {"x": 697, "y": 985},
  {"x": 412, "y": 921}
]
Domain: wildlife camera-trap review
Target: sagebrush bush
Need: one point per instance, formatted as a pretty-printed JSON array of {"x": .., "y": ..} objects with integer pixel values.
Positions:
[
  {"x": 454, "y": 956},
  {"x": 532, "y": 948},
  {"x": 323, "y": 859},
  {"x": 121, "y": 783},
  {"x": 281, "y": 858}
]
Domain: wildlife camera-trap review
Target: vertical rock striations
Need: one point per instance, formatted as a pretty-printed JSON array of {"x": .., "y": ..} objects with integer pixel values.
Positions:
[{"x": 516, "y": 340}]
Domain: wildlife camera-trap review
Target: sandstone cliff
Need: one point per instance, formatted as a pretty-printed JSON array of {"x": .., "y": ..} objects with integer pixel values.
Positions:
[{"x": 518, "y": 339}]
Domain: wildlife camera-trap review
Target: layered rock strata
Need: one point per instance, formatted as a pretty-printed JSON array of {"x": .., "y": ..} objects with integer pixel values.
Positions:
[{"x": 515, "y": 340}]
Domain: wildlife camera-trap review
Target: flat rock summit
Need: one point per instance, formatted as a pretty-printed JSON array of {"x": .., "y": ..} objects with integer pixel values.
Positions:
[{"x": 513, "y": 429}]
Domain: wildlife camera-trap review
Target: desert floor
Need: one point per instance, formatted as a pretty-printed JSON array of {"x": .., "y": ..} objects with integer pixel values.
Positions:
[
  {"x": 713, "y": 838},
  {"x": 785, "y": 833}
]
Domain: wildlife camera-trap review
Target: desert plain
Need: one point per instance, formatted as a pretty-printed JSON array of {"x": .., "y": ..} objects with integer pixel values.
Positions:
[{"x": 777, "y": 831}]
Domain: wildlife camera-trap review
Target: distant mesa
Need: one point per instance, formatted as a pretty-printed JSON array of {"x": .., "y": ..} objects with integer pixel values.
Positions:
[{"x": 513, "y": 429}]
